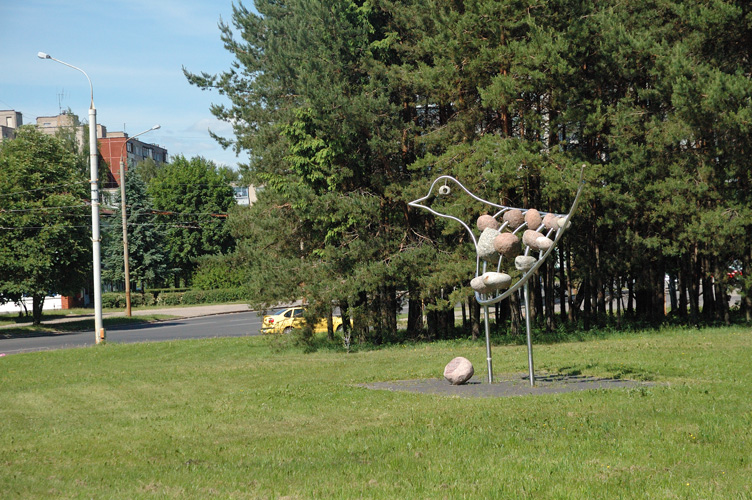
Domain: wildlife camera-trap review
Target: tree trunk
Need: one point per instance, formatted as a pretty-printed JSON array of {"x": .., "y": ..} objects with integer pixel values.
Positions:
[
  {"x": 329, "y": 326},
  {"x": 360, "y": 318},
  {"x": 550, "y": 314},
  {"x": 464, "y": 314},
  {"x": 618, "y": 302},
  {"x": 414, "y": 310},
  {"x": 503, "y": 314},
  {"x": 746, "y": 287},
  {"x": 563, "y": 286},
  {"x": 37, "y": 304},
  {"x": 630, "y": 298},
  {"x": 431, "y": 323},
  {"x": 722, "y": 299},
  {"x": 475, "y": 318},
  {"x": 708, "y": 298},
  {"x": 586, "y": 314},
  {"x": 536, "y": 293},
  {"x": 516, "y": 314},
  {"x": 682, "y": 285},
  {"x": 389, "y": 309}
]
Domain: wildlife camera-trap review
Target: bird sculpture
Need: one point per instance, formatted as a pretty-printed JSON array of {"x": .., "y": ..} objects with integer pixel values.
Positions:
[{"x": 525, "y": 237}]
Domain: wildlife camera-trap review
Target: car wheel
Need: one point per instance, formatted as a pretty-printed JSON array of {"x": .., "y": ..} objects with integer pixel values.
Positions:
[{"x": 287, "y": 330}]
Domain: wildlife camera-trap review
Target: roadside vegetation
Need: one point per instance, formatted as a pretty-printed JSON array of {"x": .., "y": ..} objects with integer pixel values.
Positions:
[{"x": 256, "y": 418}]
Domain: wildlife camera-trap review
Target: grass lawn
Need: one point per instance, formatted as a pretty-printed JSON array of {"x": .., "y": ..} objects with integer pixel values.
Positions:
[{"x": 255, "y": 417}]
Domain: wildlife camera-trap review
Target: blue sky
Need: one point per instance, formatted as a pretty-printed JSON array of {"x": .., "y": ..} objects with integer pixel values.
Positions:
[{"x": 133, "y": 52}]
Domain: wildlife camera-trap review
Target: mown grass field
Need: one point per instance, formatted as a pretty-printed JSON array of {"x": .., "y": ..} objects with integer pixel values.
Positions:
[{"x": 255, "y": 417}]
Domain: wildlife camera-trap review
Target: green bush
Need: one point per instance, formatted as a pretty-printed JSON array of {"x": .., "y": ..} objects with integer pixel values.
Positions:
[
  {"x": 173, "y": 297},
  {"x": 217, "y": 272},
  {"x": 116, "y": 300},
  {"x": 113, "y": 300},
  {"x": 170, "y": 298}
]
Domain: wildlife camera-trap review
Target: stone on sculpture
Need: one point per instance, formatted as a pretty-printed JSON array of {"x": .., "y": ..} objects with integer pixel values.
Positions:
[
  {"x": 564, "y": 222},
  {"x": 479, "y": 285},
  {"x": 514, "y": 217},
  {"x": 543, "y": 243},
  {"x": 551, "y": 221},
  {"x": 486, "y": 249},
  {"x": 536, "y": 240},
  {"x": 496, "y": 280},
  {"x": 485, "y": 221},
  {"x": 507, "y": 244},
  {"x": 458, "y": 371},
  {"x": 533, "y": 219},
  {"x": 490, "y": 281},
  {"x": 529, "y": 237},
  {"x": 524, "y": 262}
]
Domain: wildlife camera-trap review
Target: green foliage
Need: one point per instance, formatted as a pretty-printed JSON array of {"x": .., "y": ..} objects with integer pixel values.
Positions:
[
  {"x": 116, "y": 300},
  {"x": 196, "y": 297},
  {"x": 45, "y": 243},
  {"x": 147, "y": 255},
  {"x": 218, "y": 271},
  {"x": 194, "y": 197},
  {"x": 349, "y": 110}
]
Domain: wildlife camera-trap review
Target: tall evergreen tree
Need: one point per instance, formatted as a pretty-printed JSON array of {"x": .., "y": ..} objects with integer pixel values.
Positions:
[{"x": 147, "y": 256}]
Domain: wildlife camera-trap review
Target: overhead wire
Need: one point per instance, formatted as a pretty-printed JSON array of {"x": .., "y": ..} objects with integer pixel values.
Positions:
[{"x": 3, "y": 195}]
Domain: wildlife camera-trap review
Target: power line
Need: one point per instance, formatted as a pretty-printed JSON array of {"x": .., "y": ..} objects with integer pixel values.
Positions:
[
  {"x": 38, "y": 209},
  {"x": 62, "y": 226},
  {"x": 43, "y": 188}
]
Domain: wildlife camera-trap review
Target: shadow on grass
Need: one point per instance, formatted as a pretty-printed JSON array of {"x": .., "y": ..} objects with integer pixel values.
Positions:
[{"x": 77, "y": 326}]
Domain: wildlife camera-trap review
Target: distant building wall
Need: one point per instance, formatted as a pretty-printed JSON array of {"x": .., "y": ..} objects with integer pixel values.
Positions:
[
  {"x": 244, "y": 195},
  {"x": 10, "y": 120},
  {"x": 51, "y": 124},
  {"x": 111, "y": 149}
]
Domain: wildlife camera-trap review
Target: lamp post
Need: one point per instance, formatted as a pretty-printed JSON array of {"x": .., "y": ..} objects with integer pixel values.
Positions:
[
  {"x": 99, "y": 333},
  {"x": 125, "y": 230}
]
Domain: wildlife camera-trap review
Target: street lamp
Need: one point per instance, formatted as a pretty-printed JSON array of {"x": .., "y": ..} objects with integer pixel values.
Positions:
[
  {"x": 99, "y": 333},
  {"x": 125, "y": 230}
]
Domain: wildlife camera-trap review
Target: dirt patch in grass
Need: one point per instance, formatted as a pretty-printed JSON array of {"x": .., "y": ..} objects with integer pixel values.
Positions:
[{"x": 507, "y": 385}]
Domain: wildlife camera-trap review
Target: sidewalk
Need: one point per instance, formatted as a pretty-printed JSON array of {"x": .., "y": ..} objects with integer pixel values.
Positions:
[{"x": 177, "y": 312}]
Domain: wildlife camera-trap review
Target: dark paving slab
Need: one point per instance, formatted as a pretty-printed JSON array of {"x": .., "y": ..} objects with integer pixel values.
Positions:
[{"x": 507, "y": 385}]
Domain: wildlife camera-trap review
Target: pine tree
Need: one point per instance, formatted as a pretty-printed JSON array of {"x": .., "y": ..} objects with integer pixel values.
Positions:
[{"x": 147, "y": 256}]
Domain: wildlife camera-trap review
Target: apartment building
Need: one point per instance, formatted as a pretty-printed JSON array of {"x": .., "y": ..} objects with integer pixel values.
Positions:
[
  {"x": 117, "y": 145},
  {"x": 10, "y": 120}
]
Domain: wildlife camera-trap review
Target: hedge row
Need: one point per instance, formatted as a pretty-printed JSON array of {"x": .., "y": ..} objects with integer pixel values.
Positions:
[{"x": 116, "y": 300}]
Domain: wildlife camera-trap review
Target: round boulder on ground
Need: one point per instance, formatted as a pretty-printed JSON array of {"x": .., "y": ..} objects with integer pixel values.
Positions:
[{"x": 458, "y": 371}]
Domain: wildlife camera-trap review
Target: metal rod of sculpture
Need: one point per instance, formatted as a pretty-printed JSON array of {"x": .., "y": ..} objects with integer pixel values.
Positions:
[{"x": 528, "y": 270}]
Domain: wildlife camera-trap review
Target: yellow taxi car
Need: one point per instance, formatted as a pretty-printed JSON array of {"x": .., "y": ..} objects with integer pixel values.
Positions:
[{"x": 286, "y": 320}]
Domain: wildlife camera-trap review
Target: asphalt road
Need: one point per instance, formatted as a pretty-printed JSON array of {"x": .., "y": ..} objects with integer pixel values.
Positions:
[{"x": 222, "y": 325}]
